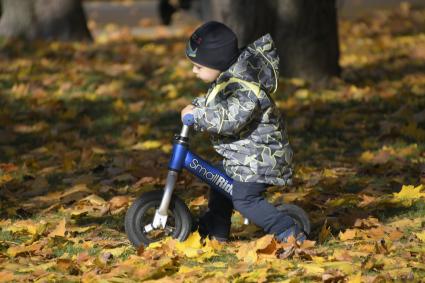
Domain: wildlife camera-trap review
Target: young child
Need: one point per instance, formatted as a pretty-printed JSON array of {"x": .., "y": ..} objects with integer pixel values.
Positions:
[{"x": 246, "y": 128}]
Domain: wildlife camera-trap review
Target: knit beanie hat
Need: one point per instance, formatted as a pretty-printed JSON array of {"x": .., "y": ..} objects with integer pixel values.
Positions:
[{"x": 213, "y": 45}]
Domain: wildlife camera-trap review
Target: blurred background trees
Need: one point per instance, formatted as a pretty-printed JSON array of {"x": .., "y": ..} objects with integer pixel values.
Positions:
[
  {"x": 44, "y": 19},
  {"x": 305, "y": 31}
]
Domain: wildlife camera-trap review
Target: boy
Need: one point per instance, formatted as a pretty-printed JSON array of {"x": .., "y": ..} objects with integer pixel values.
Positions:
[{"x": 245, "y": 126}]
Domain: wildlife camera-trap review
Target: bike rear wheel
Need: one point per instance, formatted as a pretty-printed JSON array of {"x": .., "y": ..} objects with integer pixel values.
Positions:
[{"x": 298, "y": 214}]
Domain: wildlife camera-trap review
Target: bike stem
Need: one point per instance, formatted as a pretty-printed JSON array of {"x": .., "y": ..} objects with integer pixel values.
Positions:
[{"x": 185, "y": 131}]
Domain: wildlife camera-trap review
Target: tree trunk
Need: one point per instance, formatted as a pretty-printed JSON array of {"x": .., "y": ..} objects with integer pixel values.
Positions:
[
  {"x": 44, "y": 19},
  {"x": 305, "y": 32}
]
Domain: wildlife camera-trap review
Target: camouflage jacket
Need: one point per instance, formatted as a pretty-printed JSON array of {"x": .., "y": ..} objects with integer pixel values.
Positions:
[{"x": 246, "y": 127}]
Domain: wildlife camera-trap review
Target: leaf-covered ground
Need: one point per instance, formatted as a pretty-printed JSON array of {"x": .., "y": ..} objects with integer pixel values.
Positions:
[{"x": 86, "y": 128}]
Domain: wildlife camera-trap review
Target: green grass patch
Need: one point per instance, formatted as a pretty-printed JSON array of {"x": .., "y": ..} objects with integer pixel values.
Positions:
[
  {"x": 69, "y": 249},
  {"x": 415, "y": 211}
]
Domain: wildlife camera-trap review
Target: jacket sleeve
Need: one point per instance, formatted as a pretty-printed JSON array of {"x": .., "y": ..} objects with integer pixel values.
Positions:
[
  {"x": 198, "y": 101},
  {"x": 230, "y": 115}
]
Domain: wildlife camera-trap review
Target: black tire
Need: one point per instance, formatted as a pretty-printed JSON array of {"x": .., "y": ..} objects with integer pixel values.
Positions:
[
  {"x": 142, "y": 211},
  {"x": 298, "y": 214}
]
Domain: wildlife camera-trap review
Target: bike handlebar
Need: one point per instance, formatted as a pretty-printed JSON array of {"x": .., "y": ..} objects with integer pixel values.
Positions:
[{"x": 188, "y": 120}]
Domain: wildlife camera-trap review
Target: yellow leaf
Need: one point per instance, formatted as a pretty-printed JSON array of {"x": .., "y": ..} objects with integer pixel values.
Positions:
[
  {"x": 81, "y": 229},
  {"x": 400, "y": 272},
  {"x": 412, "y": 130},
  {"x": 307, "y": 244},
  {"x": 329, "y": 173},
  {"x": 59, "y": 230},
  {"x": 118, "y": 202},
  {"x": 318, "y": 259},
  {"x": 98, "y": 150},
  {"x": 395, "y": 235},
  {"x": 302, "y": 94},
  {"x": 257, "y": 275},
  {"x": 167, "y": 148},
  {"x": 312, "y": 269},
  {"x": 158, "y": 244},
  {"x": 116, "y": 252},
  {"x": 193, "y": 247},
  {"x": 149, "y": 144},
  {"x": 7, "y": 276},
  {"x": 367, "y": 156},
  {"x": 17, "y": 250},
  {"x": 375, "y": 233},
  {"x": 201, "y": 200},
  {"x": 366, "y": 200},
  {"x": 28, "y": 226},
  {"x": 266, "y": 244},
  {"x": 345, "y": 266},
  {"x": 247, "y": 253},
  {"x": 143, "y": 129},
  {"x": 349, "y": 234},
  {"x": 94, "y": 200},
  {"x": 43, "y": 266},
  {"x": 214, "y": 244},
  {"x": 193, "y": 241},
  {"x": 406, "y": 222},
  {"x": 325, "y": 233},
  {"x": 69, "y": 163},
  {"x": 410, "y": 150},
  {"x": 119, "y": 105},
  {"x": 5, "y": 178},
  {"x": 408, "y": 195},
  {"x": 355, "y": 278},
  {"x": 417, "y": 265},
  {"x": 421, "y": 236},
  {"x": 343, "y": 200}
]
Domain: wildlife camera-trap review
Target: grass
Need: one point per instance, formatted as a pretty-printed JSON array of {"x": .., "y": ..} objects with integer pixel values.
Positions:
[
  {"x": 417, "y": 210},
  {"x": 114, "y": 222},
  {"x": 69, "y": 249}
]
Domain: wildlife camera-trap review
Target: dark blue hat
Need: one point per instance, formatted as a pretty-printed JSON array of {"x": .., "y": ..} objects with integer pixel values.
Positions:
[{"x": 213, "y": 45}]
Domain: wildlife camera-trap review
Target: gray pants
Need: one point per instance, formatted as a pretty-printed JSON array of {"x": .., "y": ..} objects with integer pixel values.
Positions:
[{"x": 249, "y": 200}]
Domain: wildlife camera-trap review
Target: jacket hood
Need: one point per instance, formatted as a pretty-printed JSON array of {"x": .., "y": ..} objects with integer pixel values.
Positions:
[{"x": 258, "y": 63}]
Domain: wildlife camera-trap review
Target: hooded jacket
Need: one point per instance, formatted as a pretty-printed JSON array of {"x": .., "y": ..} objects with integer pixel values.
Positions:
[{"x": 246, "y": 127}]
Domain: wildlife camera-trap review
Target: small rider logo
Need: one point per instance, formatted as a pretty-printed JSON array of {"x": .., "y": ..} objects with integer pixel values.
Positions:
[{"x": 190, "y": 51}]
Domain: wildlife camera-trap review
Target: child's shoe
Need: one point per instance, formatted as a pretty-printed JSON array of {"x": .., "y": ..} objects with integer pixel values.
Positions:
[
  {"x": 202, "y": 227},
  {"x": 293, "y": 231}
]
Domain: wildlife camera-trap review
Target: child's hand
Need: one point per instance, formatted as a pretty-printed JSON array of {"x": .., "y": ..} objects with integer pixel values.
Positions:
[{"x": 187, "y": 110}]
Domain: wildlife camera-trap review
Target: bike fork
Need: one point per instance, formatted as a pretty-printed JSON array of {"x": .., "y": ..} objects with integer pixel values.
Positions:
[
  {"x": 161, "y": 214},
  {"x": 175, "y": 165}
]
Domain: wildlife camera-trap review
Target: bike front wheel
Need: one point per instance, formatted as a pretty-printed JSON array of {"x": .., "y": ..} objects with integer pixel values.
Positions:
[{"x": 141, "y": 214}]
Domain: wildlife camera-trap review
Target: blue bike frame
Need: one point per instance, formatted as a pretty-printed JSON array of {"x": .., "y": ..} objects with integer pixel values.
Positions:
[{"x": 182, "y": 157}]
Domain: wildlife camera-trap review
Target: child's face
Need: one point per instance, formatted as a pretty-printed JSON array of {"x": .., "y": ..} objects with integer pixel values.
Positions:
[{"x": 206, "y": 74}]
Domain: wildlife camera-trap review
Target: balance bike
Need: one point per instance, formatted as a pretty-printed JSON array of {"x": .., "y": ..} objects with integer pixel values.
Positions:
[{"x": 159, "y": 214}]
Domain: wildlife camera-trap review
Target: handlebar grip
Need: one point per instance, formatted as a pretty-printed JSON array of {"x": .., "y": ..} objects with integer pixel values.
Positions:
[{"x": 188, "y": 120}]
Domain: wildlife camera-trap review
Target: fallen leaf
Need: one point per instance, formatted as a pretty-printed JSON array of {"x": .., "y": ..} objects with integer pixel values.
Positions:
[
  {"x": 349, "y": 234},
  {"x": 118, "y": 202},
  {"x": 421, "y": 236},
  {"x": 60, "y": 230},
  {"x": 408, "y": 195},
  {"x": 18, "y": 250}
]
